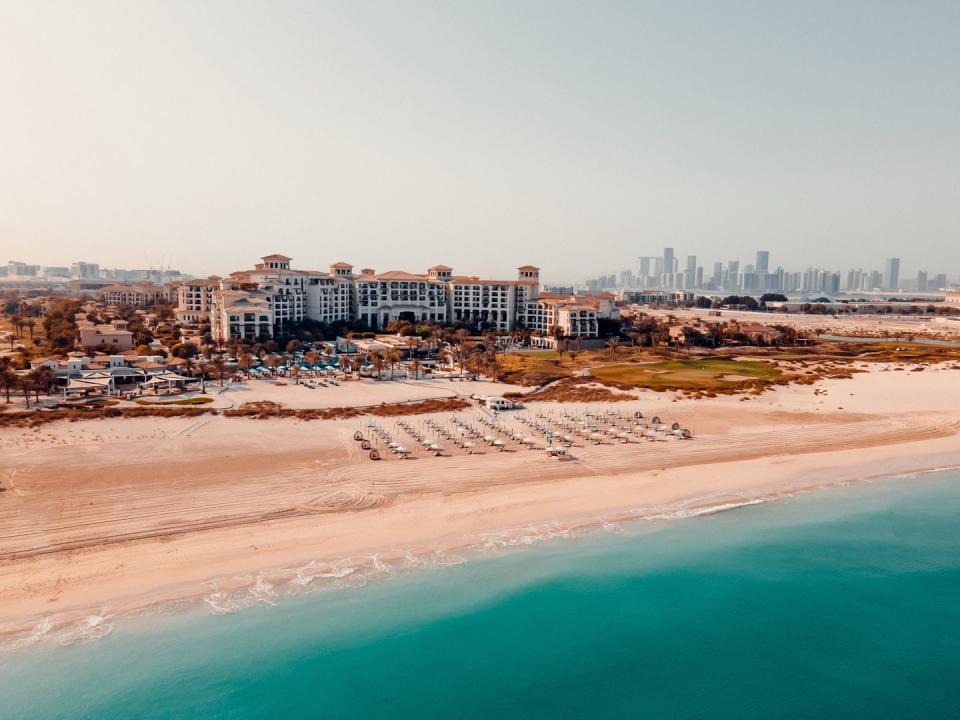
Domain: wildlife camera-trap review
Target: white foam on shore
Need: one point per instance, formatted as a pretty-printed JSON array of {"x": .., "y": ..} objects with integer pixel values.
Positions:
[
  {"x": 92, "y": 627},
  {"x": 268, "y": 587}
]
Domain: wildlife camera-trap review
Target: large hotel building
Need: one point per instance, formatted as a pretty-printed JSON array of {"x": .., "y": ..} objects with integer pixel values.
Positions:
[{"x": 270, "y": 298}]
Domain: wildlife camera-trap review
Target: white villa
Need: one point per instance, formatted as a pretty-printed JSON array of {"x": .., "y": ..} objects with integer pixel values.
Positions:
[{"x": 265, "y": 301}]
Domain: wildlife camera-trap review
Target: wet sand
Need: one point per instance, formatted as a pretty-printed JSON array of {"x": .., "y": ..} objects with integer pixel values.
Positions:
[{"x": 110, "y": 516}]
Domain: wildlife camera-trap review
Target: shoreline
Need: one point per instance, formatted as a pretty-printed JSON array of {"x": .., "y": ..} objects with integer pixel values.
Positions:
[
  {"x": 225, "y": 595},
  {"x": 114, "y": 517}
]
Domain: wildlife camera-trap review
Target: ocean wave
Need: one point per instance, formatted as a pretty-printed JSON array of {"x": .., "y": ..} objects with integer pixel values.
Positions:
[
  {"x": 227, "y": 595},
  {"x": 92, "y": 627}
]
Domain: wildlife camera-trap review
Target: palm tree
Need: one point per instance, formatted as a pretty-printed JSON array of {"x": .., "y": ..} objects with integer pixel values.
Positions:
[
  {"x": 203, "y": 367},
  {"x": 8, "y": 379},
  {"x": 378, "y": 361},
  {"x": 41, "y": 380},
  {"x": 220, "y": 366},
  {"x": 465, "y": 353},
  {"x": 445, "y": 356},
  {"x": 355, "y": 362},
  {"x": 612, "y": 345},
  {"x": 312, "y": 357},
  {"x": 245, "y": 362},
  {"x": 393, "y": 357},
  {"x": 411, "y": 342},
  {"x": 295, "y": 374},
  {"x": 415, "y": 366},
  {"x": 26, "y": 384},
  {"x": 30, "y": 323}
]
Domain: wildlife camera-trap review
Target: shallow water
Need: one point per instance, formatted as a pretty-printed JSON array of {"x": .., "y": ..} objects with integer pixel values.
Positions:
[{"x": 841, "y": 603}]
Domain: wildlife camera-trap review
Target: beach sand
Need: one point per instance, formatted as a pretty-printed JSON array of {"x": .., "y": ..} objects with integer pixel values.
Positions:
[{"x": 111, "y": 516}]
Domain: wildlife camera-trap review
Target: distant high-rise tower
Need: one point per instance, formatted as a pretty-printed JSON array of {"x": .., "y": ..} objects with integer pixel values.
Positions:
[
  {"x": 669, "y": 264},
  {"x": 690, "y": 272},
  {"x": 891, "y": 274},
  {"x": 763, "y": 261}
]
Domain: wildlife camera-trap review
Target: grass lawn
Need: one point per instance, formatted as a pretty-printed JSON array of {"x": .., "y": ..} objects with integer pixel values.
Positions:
[
  {"x": 540, "y": 354},
  {"x": 705, "y": 374},
  {"x": 96, "y": 402},
  {"x": 532, "y": 368}
]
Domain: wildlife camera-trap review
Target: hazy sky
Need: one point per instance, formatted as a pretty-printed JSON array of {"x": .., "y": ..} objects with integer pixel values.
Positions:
[{"x": 483, "y": 135}]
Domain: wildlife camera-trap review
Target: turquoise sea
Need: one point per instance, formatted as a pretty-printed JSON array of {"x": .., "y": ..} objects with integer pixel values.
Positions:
[{"x": 839, "y": 604}]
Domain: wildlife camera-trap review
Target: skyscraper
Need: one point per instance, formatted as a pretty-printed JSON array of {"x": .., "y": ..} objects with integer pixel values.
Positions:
[
  {"x": 690, "y": 272},
  {"x": 733, "y": 275},
  {"x": 669, "y": 264},
  {"x": 891, "y": 274},
  {"x": 763, "y": 261}
]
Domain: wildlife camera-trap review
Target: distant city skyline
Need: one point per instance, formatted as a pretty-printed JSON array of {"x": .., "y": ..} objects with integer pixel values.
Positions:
[
  {"x": 665, "y": 272},
  {"x": 648, "y": 272},
  {"x": 115, "y": 272},
  {"x": 479, "y": 135}
]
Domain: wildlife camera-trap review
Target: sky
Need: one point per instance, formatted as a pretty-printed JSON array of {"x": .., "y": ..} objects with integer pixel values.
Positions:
[{"x": 575, "y": 136}]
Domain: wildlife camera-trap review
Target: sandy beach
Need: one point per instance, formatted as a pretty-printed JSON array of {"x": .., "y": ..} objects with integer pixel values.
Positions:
[
  {"x": 111, "y": 516},
  {"x": 867, "y": 325}
]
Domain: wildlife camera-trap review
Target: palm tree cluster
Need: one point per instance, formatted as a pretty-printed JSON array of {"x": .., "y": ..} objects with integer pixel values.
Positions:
[{"x": 37, "y": 381}]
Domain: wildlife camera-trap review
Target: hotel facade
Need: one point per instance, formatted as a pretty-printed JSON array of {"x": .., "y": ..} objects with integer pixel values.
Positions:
[{"x": 273, "y": 297}]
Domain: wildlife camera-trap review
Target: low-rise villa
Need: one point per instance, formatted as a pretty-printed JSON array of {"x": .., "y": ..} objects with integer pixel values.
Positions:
[{"x": 114, "y": 334}]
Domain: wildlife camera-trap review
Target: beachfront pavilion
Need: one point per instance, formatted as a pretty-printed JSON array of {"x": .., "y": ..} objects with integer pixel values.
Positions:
[
  {"x": 87, "y": 385},
  {"x": 166, "y": 381}
]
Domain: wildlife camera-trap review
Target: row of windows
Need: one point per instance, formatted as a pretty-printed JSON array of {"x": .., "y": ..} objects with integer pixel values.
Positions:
[{"x": 400, "y": 285}]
